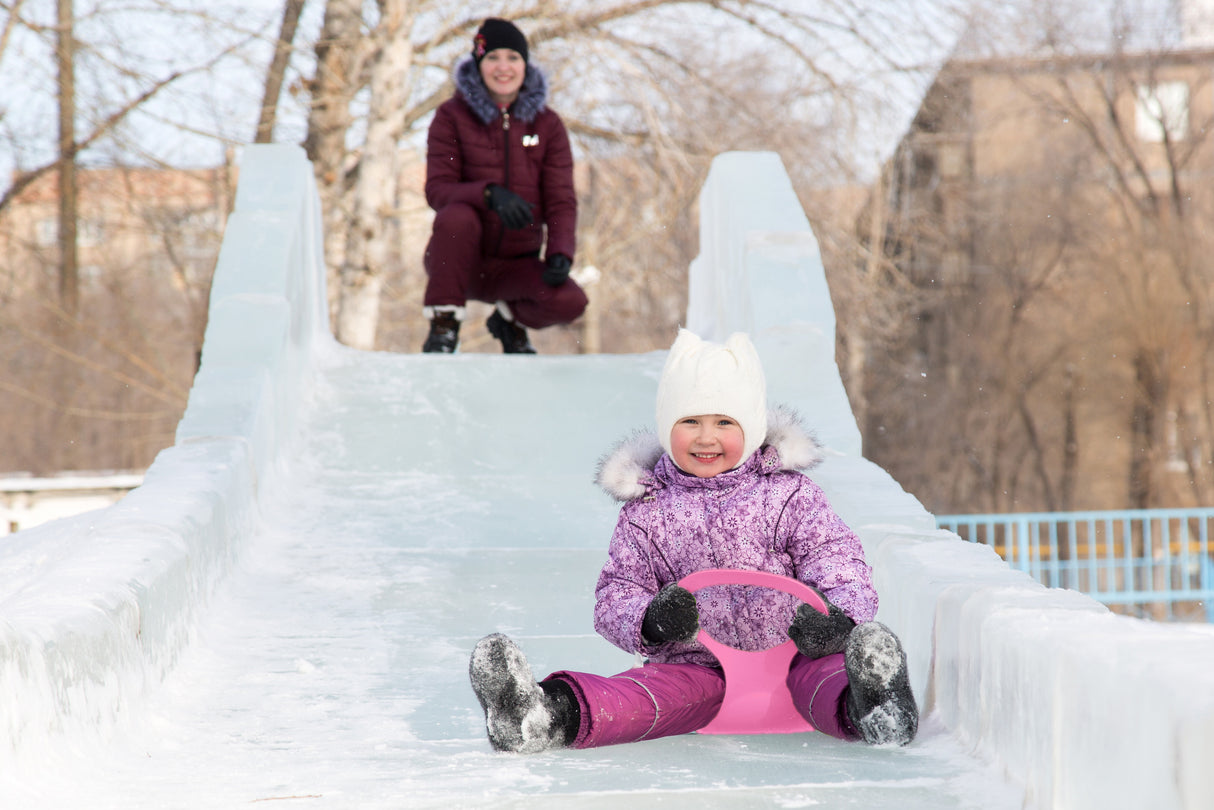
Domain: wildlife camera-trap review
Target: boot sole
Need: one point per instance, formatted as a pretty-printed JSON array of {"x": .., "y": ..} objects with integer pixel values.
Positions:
[
  {"x": 516, "y": 716},
  {"x": 881, "y": 704}
]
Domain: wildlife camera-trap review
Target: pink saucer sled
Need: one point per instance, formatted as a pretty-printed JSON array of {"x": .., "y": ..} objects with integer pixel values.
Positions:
[{"x": 757, "y": 700}]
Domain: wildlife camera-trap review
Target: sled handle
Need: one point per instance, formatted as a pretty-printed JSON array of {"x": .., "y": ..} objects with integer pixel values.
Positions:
[{"x": 726, "y": 576}]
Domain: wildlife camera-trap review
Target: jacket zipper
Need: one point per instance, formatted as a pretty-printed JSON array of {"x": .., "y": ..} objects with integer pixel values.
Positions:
[{"x": 501, "y": 234}]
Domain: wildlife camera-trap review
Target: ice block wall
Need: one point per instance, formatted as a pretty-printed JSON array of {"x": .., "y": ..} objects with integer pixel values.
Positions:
[{"x": 96, "y": 608}]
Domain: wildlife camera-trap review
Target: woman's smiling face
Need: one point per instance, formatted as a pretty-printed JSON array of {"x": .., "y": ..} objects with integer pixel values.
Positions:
[{"x": 503, "y": 70}]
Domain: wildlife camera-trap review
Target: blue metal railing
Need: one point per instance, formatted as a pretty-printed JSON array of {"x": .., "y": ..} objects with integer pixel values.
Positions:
[{"x": 1156, "y": 562}]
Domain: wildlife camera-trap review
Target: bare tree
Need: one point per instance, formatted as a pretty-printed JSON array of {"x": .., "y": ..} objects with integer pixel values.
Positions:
[
  {"x": 123, "y": 83},
  {"x": 103, "y": 387}
]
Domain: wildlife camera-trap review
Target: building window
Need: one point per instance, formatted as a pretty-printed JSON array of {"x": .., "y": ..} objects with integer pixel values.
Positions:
[
  {"x": 46, "y": 232},
  {"x": 1162, "y": 109},
  {"x": 952, "y": 160},
  {"x": 89, "y": 232}
]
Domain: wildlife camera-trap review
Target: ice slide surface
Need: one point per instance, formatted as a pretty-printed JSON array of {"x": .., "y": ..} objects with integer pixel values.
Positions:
[
  {"x": 434, "y": 500},
  {"x": 282, "y": 615}
]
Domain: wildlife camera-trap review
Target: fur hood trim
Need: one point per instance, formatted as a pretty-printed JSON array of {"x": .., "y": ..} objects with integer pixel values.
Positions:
[
  {"x": 626, "y": 472},
  {"x": 532, "y": 96}
]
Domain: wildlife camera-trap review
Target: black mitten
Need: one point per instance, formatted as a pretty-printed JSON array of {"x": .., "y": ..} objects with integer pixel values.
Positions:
[
  {"x": 557, "y": 270},
  {"x": 671, "y": 616},
  {"x": 513, "y": 209},
  {"x": 820, "y": 634}
]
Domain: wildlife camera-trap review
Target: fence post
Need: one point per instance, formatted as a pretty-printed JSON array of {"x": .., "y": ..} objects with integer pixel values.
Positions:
[
  {"x": 1207, "y": 586},
  {"x": 1023, "y": 546}
]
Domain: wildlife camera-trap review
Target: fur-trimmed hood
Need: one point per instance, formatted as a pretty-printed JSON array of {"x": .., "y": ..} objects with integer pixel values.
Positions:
[
  {"x": 626, "y": 472},
  {"x": 532, "y": 96}
]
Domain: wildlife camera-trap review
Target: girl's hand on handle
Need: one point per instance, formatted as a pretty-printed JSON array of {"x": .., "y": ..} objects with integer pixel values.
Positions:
[
  {"x": 819, "y": 634},
  {"x": 671, "y": 616}
]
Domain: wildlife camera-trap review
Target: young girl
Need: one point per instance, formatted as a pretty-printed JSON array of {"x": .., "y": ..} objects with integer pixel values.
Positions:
[{"x": 718, "y": 487}]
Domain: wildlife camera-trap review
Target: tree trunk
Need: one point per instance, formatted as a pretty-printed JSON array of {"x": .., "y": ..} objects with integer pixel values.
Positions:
[
  {"x": 65, "y": 49},
  {"x": 1148, "y": 400},
  {"x": 278, "y": 67},
  {"x": 371, "y": 235},
  {"x": 1070, "y": 444},
  {"x": 338, "y": 58}
]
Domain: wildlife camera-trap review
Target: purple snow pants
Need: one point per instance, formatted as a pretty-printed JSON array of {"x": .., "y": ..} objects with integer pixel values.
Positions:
[
  {"x": 458, "y": 273},
  {"x": 659, "y": 700}
]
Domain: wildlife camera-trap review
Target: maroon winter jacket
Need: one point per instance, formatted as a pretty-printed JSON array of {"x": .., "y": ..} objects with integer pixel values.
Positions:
[{"x": 471, "y": 144}]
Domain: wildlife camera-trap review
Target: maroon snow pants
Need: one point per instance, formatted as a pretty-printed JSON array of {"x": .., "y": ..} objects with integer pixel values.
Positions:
[
  {"x": 660, "y": 700},
  {"x": 459, "y": 273}
]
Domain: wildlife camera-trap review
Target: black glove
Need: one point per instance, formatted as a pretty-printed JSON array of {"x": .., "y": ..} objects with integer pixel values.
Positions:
[
  {"x": 557, "y": 271},
  {"x": 671, "y": 616},
  {"x": 820, "y": 634},
  {"x": 513, "y": 209}
]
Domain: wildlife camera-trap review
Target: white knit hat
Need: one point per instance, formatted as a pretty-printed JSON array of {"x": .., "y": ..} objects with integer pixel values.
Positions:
[{"x": 703, "y": 377}]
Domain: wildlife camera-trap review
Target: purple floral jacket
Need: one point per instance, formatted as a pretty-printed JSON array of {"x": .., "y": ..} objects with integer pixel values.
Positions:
[{"x": 763, "y": 516}]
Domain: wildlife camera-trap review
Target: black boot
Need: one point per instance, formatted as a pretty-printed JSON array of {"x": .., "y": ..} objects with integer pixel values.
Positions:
[
  {"x": 444, "y": 333},
  {"x": 513, "y": 337},
  {"x": 880, "y": 703},
  {"x": 520, "y": 715}
]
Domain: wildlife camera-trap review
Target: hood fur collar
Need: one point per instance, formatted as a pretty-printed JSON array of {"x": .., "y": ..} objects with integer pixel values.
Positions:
[
  {"x": 626, "y": 472},
  {"x": 532, "y": 96}
]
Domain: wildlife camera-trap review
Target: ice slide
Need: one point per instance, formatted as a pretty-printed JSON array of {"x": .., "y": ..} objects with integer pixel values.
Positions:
[{"x": 281, "y": 614}]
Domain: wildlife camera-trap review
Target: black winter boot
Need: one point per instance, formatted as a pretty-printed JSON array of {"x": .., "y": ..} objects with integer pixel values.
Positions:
[
  {"x": 444, "y": 334},
  {"x": 880, "y": 703},
  {"x": 513, "y": 337},
  {"x": 520, "y": 715}
]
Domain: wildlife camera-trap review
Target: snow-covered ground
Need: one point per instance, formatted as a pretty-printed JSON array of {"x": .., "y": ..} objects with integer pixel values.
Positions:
[{"x": 284, "y": 610}]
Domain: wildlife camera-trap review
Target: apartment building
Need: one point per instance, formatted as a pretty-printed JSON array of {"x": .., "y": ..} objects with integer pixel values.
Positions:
[
  {"x": 165, "y": 222},
  {"x": 1048, "y": 216}
]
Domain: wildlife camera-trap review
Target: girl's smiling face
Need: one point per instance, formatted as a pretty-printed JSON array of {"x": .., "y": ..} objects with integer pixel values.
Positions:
[
  {"x": 503, "y": 70},
  {"x": 706, "y": 445}
]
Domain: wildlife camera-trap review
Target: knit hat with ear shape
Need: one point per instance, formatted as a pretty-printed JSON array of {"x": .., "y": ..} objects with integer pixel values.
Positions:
[{"x": 704, "y": 377}]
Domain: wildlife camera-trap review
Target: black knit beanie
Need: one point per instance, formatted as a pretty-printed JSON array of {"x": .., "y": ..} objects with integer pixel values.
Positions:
[{"x": 496, "y": 33}]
